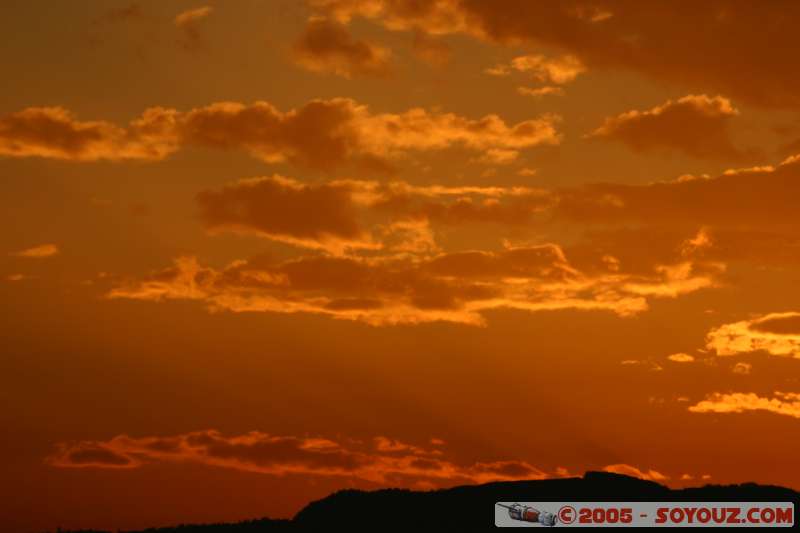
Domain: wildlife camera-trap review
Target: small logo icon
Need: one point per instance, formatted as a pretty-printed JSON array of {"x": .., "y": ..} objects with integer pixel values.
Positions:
[{"x": 525, "y": 513}]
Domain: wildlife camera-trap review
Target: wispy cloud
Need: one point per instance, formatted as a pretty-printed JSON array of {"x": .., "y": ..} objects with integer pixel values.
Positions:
[
  {"x": 38, "y": 252},
  {"x": 382, "y": 460}
]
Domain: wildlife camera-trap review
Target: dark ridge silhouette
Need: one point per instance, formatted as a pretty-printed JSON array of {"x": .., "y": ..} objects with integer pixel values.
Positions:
[{"x": 470, "y": 507}]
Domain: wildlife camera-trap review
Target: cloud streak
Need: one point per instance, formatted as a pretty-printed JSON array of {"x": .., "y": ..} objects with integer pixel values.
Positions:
[
  {"x": 726, "y": 202},
  {"x": 357, "y": 214},
  {"x": 38, "y": 252},
  {"x": 782, "y": 403},
  {"x": 322, "y": 134},
  {"x": 382, "y": 460},
  {"x": 454, "y": 287},
  {"x": 188, "y": 22}
]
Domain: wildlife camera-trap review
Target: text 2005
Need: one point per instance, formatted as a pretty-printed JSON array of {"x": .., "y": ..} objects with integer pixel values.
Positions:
[{"x": 600, "y": 515}]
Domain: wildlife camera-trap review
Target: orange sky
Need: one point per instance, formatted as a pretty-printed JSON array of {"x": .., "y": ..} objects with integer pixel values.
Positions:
[{"x": 258, "y": 251}]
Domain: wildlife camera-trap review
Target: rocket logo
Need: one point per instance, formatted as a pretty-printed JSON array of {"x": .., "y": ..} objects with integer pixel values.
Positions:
[{"x": 525, "y": 513}]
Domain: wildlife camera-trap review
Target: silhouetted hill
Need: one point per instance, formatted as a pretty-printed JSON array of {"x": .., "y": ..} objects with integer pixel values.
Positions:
[{"x": 469, "y": 507}]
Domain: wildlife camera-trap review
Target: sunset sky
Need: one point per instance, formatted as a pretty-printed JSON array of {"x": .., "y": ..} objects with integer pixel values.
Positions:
[{"x": 256, "y": 251}]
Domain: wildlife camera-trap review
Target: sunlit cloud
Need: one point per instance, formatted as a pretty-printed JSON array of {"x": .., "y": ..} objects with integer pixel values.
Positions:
[
  {"x": 497, "y": 156},
  {"x": 382, "y": 460},
  {"x": 278, "y": 207},
  {"x": 188, "y": 22},
  {"x": 360, "y": 215},
  {"x": 781, "y": 403},
  {"x": 775, "y": 333},
  {"x": 191, "y": 15},
  {"x": 538, "y": 92},
  {"x": 379, "y": 460},
  {"x": 741, "y": 368},
  {"x": 648, "y": 364},
  {"x": 697, "y": 125},
  {"x": 38, "y": 252},
  {"x": 55, "y": 133},
  {"x": 681, "y": 358},
  {"x": 732, "y": 218},
  {"x": 554, "y": 70},
  {"x": 322, "y": 134},
  {"x": 385, "y": 290},
  {"x": 637, "y": 37}
]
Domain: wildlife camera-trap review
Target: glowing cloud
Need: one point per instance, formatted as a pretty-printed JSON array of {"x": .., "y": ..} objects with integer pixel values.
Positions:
[
  {"x": 681, "y": 358},
  {"x": 782, "y": 403},
  {"x": 558, "y": 70},
  {"x": 742, "y": 368},
  {"x": 322, "y": 134},
  {"x": 191, "y": 15},
  {"x": 38, "y": 252},
  {"x": 382, "y": 461},
  {"x": 54, "y": 133},
  {"x": 360, "y": 215},
  {"x": 188, "y": 21},
  {"x": 638, "y": 37},
  {"x": 385, "y": 290},
  {"x": 278, "y": 207},
  {"x": 538, "y": 92},
  {"x": 775, "y": 333}
]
